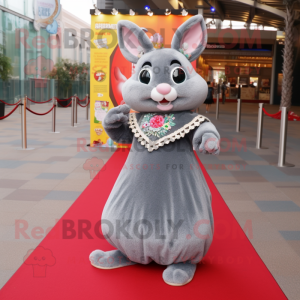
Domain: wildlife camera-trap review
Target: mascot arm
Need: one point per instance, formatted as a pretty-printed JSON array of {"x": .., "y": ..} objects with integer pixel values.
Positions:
[{"x": 116, "y": 125}]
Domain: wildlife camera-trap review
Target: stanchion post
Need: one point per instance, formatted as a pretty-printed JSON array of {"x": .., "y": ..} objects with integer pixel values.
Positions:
[
  {"x": 54, "y": 116},
  {"x": 75, "y": 109},
  {"x": 260, "y": 122},
  {"x": 23, "y": 124},
  {"x": 238, "y": 115},
  {"x": 27, "y": 102},
  {"x": 282, "y": 139},
  {"x": 20, "y": 106},
  {"x": 218, "y": 101},
  {"x": 72, "y": 113},
  {"x": 87, "y": 106}
]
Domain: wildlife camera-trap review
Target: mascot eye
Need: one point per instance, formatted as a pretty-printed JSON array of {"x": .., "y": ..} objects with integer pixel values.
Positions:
[
  {"x": 145, "y": 76},
  {"x": 178, "y": 75}
]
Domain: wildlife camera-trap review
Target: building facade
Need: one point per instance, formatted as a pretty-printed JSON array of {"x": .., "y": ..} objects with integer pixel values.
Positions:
[{"x": 34, "y": 53}]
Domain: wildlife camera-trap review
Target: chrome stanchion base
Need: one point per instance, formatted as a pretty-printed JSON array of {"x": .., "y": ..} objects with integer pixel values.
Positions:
[
  {"x": 263, "y": 148},
  {"x": 286, "y": 165},
  {"x": 25, "y": 149},
  {"x": 55, "y": 131}
]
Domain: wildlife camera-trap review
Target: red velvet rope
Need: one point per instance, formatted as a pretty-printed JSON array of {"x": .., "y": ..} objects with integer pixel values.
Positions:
[
  {"x": 67, "y": 105},
  {"x": 82, "y": 99},
  {"x": 4, "y": 117},
  {"x": 84, "y": 105},
  {"x": 275, "y": 116},
  {"x": 39, "y": 102},
  {"x": 63, "y": 99},
  {"x": 9, "y": 103},
  {"x": 40, "y": 114}
]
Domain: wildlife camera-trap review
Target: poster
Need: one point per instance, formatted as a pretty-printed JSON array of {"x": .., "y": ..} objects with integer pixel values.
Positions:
[
  {"x": 45, "y": 12},
  {"x": 109, "y": 69}
]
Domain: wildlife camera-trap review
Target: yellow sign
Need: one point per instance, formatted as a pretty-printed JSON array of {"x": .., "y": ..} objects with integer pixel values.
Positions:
[{"x": 109, "y": 69}]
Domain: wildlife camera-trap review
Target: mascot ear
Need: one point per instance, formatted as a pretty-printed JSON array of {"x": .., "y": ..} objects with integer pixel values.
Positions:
[
  {"x": 191, "y": 37},
  {"x": 133, "y": 41}
]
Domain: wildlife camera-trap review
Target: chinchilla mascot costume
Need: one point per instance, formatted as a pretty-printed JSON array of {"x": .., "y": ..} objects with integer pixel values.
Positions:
[{"x": 160, "y": 206}]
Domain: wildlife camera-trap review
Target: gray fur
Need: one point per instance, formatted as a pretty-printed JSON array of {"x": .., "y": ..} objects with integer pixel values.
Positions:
[
  {"x": 206, "y": 139},
  {"x": 160, "y": 197},
  {"x": 117, "y": 118},
  {"x": 179, "y": 274},
  {"x": 109, "y": 260}
]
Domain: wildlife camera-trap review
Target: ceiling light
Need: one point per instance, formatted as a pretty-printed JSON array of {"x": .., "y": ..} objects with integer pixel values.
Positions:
[
  {"x": 150, "y": 13},
  {"x": 213, "y": 22},
  {"x": 114, "y": 12},
  {"x": 131, "y": 12},
  {"x": 147, "y": 7},
  {"x": 212, "y": 9},
  {"x": 168, "y": 12},
  {"x": 184, "y": 13}
]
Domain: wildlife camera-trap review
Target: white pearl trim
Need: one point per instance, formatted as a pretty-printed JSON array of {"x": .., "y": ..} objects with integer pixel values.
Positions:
[{"x": 176, "y": 135}]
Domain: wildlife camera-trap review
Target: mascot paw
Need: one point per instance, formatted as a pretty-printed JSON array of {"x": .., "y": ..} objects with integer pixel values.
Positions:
[
  {"x": 179, "y": 274},
  {"x": 210, "y": 144},
  {"x": 109, "y": 260}
]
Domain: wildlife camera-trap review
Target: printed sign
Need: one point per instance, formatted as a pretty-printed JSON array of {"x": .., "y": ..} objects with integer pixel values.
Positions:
[{"x": 45, "y": 13}]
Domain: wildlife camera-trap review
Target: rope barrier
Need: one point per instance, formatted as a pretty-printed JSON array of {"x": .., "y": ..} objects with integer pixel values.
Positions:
[
  {"x": 82, "y": 99},
  {"x": 64, "y": 100},
  {"x": 33, "y": 112},
  {"x": 39, "y": 102},
  {"x": 9, "y": 103},
  {"x": 4, "y": 117},
  {"x": 84, "y": 105},
  {"x": 291, "y": 115},
  {"x": 275, "y": 116}
]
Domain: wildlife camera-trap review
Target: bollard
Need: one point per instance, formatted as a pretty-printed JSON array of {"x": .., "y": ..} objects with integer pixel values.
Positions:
[
  {"x": 218, "y": 101},
  {"x": 238, "y": 116},
  {"x": 282, "y": 139},
  {"x": 87, "y": 107},
  {"x": 54, "y": 116},
  {"x": 260, "y": 127},
  {"x": 24, "y": 125}
]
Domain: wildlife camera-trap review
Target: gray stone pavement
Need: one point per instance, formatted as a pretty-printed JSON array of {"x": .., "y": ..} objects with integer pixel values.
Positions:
[{"x": 38, "y": 186}]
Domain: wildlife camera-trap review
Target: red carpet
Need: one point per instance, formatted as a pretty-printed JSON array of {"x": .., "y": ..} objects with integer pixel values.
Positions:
[{"x": 231, "y": 269}]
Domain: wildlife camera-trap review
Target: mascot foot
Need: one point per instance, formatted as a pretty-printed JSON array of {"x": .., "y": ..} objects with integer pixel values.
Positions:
[
  {"x": 109, "y": 260},
  {"x": 179, "y": 274}
]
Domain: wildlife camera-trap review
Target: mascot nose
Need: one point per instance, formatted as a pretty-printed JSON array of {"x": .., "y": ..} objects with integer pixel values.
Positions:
[{"x": 163, "y": 88}]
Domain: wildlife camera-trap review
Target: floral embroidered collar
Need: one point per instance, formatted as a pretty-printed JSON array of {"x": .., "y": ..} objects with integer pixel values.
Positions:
[
  {"x": 157, "y": 125},
  {"x": 153, "y": 130}
]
